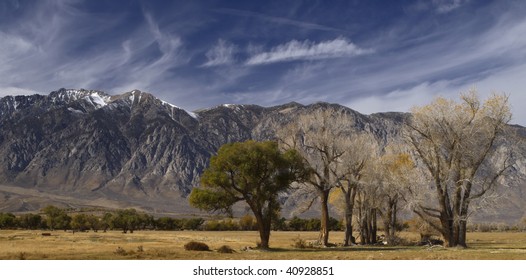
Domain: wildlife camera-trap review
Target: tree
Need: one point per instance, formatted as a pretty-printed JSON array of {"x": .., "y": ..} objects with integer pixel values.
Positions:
[
  {"x": 317, "y": 138},
  {"x": 394, "y": 173},
  {"x": 7, "y": 220},
  {"x": 30, "y": 221},
  {"x": 357, "y": 158},
  {"x": 367, "y": 205},
  {"x": 94, "y": 222},
  {"x": 56, "y": 218},
  {"x": 454, "y": 142},
  {"x": 80, "y": 222},
  {"x": 253, "y": 172},
  {"x": 128, "y": 220},
  {"x": 106, "y": 221}
]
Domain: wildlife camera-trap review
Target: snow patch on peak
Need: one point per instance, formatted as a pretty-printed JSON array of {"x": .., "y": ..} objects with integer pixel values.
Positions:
[
  {"x": 97, "y": 100},
  {"x": 75, "y": 110},
  {"x": 192, "y": 114}
]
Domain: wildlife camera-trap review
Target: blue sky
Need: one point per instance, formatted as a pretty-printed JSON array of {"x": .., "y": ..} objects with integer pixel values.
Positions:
[{"x": 371, "y": 56}]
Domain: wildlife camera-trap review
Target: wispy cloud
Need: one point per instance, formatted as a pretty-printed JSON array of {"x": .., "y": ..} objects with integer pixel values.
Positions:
[
  {"x": 446, "y": 6},
  {"x": 73, "y": 54},
  {"x": 220, "y": 54},
  {"x": 278, "y": 20},
  {"x": 307, "y": 50},
  {"x": 195, "y": 56}
]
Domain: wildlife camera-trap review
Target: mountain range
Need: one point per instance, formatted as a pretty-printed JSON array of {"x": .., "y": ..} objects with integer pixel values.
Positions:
[{"x": 85, "y": 148}]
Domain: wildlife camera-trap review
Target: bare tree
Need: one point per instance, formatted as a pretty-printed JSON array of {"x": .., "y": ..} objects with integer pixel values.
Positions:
[
  {"x": 359, "y": 152},
  {"x": 367, "y": 205},
  {"x": 395, "y": 174},
  {"x": 320, "y": 138},
  {"x": 454, "y": 141}
]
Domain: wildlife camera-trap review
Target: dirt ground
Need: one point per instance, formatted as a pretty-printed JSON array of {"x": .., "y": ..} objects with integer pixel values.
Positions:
[{"x": 160, "y": 245}]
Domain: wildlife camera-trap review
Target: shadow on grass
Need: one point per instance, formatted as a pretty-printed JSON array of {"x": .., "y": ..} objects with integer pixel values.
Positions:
[{"x": 347, "y": 249}]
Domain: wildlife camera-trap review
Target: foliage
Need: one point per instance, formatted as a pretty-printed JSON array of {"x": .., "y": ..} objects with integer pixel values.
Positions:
[
  {"x": 56, "y": 218},
  {"x": 130, "y": 220},
  {"x": 253, "y": 172},
  {"x": 227, "y": 224},
  {"x": 247, "y": 222},
  {"x": 192, "y": 223},
  {"x": 279, "y": 224},
  {"x": 167, "y": 223},
  {"x": 31, "y": 221},
  {"x": 106, "y": 222},
  {"x": 313, "y": 224},
  {"x": 7, "y": 220},
  {"x": 80, "y": 222}
]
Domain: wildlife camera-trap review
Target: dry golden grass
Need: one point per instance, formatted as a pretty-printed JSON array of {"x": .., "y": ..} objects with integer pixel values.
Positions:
[{"x": 18, "y": 244}]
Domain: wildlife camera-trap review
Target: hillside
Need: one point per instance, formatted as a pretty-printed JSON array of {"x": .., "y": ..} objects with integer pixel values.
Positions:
[{"x": 86, "y": 148}]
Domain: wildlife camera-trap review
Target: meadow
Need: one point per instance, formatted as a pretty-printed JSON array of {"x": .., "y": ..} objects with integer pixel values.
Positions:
[{"x": 162, "y": 245}]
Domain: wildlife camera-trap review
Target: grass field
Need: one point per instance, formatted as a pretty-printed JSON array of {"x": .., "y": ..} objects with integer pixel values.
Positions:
[{"x": 158, "y": 245}]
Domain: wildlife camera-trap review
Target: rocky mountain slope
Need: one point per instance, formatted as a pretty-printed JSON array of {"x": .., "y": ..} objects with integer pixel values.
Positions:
[{"x": 87, "y": 148}]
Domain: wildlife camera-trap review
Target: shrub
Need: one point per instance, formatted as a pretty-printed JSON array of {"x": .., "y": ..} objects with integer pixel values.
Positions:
[
  {"x": 196, "y": 246},
  {"x": 300, "y": 243},
  {"x": 247, "y": 222},
  {"x": 120, "y": 251},
  {"x": 225, "y": 249},
  {"x": 192, "y": 223}
]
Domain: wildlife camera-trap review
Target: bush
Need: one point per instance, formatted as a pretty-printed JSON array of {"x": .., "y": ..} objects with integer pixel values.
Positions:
[
  {"x": 214, "y": 225},
  {"x": 196, "y": 246},
  {"x": 120, "y": 251},
  {"x": 225, "y": 249},
  {"x": 192, "y": 224},
  {"x": 300, "y": 243},
  {"x": 247, "y": 222}
]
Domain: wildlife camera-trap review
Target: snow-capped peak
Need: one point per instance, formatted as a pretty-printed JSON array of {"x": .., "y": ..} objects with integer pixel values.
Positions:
[
  {"x": 192, "y": 114},
  {"x": 97, "y": 98}
]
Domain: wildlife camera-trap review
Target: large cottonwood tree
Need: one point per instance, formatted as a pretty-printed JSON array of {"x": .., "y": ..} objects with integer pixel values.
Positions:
[{"x": 454, "y": 141}]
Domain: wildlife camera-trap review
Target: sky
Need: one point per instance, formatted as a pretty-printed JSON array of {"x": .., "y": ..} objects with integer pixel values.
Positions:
[{"x": 371, "y": 56}]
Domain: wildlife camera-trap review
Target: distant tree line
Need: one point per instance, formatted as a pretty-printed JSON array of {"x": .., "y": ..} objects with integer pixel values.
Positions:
[
  {"x": 126, "y": 220},
  {"x": 129, "y": 220}
]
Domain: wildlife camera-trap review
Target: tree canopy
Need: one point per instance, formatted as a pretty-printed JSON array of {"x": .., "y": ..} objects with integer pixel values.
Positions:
[
  {"x": 254, "y": 172},
  {"x": 454, "y": 141}
]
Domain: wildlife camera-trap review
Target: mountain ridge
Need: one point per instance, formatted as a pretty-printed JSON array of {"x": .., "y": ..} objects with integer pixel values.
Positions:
[{"x": 135, "y": 149}]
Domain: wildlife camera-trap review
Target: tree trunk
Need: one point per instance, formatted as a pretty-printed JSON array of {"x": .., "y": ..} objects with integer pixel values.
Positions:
[
  {"x": 392, "y": 225},
  {"x": 324, "y": 228},
  {"x": 349, "y": 205},
  {"x": 264, "y": 225},
  {"x": 462, "y": 234},
  {"x": 390, "y": 221},
  {"x": 374, "y": 226},
  {"x": 264, "y": 235}
]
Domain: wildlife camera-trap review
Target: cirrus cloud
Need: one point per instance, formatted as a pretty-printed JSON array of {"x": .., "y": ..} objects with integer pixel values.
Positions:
[
  {"x": 307, "y": 50},
  {"x": 220, "y": 54}
]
